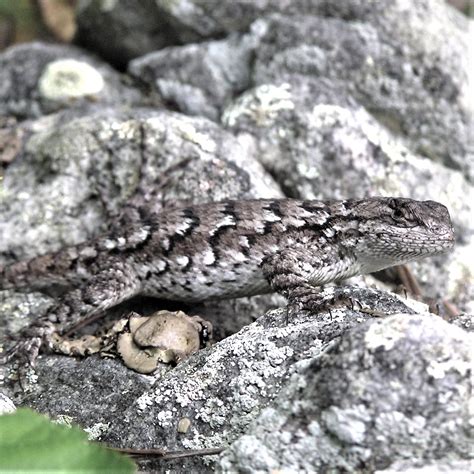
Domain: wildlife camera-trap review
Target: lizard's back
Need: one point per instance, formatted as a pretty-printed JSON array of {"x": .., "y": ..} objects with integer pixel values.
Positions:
[
  {"x": 215, "y": 250},
  {"x": 192, "y": 253}
]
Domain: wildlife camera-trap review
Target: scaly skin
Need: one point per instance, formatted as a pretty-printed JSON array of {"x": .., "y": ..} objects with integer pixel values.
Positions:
[{"x": 231, "y": 249}]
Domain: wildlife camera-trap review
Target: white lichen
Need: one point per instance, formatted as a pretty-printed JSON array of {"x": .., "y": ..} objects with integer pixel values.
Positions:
[{"x": 69, "y": 79}]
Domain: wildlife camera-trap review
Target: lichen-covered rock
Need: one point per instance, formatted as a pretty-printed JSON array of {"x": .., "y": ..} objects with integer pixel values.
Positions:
[
  {"x": 121, "y": 31},
  {"x": 92, "y": 392},
  {"x": 445, "y": 466},
  {"x": 391, "y": 389},
  {"x": 407, "y": 66},
  {"x": 222, "y": 389},
  {"x": 39, "y": 78},
  {"x": 6, "y": 405}
]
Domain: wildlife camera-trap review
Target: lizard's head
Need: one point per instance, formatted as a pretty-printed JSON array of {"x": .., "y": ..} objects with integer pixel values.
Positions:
[{"x": 391, "y": 231}]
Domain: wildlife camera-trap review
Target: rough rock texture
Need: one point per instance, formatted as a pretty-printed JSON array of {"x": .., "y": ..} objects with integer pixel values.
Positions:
[
  {"x": 437, "y": 467},
  {"x": 124, "y": 30},
  {"x": 389, "y": 390},
  {"x": 120, "y": 31},
  {"x": 407, "y": 65},
  {"x": 38, "y": 78},
  {"x": 94, "y": 392},
  {"x": 6, "y": 405},
  {"x": 222, "y": 389},
  {"x": 198, "y": 79}
]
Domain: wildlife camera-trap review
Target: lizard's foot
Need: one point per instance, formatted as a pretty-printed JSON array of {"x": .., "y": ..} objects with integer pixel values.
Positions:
[
  {"x": 29, "y": 343},
  {"x": 310, "y": 299}
]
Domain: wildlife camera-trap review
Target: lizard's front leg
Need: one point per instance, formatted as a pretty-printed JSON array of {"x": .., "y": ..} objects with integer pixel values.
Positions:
[
  {"x": 299, "y": 275},
  {"x": 103, "y": 290}
]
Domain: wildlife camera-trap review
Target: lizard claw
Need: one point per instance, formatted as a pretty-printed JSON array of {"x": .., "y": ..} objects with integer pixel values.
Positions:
[
  {"x": 309, "y": 299},
  {"x": 29, "y": 343},
  {"x": 24, "y": 352}
]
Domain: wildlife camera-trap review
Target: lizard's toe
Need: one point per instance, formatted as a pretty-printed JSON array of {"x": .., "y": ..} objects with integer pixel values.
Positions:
[{"x": 29, "y": 343}]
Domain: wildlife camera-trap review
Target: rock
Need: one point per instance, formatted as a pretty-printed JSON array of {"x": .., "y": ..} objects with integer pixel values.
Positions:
[
  {"x": 391, "y": 389},
  {"x": 120, "y": 31},
  {"x": 222, "y": 389},
  {"x": 6, "y": 405},
  {"x": 92, "y": 392},
  {"x": 198, "y": 79},
  {"x": 407, "y": 66},
  {"x": 437, "y": 467},
  {"x": 11, "y": 137},
  {"x": 409, "y": 72},
  {"x": 40, "y": 78},
  {"x": 229, "y": 316}
]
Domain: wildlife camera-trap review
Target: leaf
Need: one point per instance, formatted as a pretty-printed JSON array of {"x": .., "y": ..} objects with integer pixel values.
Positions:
[{"x": 31, "y": 442}]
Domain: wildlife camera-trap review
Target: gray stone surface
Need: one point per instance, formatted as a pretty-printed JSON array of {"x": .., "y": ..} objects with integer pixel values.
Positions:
[
  {"x": 438, "y": 467},
  {"x": 391, "y": 389},
  {"x": 124, "y": 30},
  {"x": 120, "y": 31},
  {"x": 200, "y": 78},
  {"x": 6, "y": 405},
  {"x": 92, "y": 392},
  {"x": 40, "y": 78},
  {"x": 222, "y": 389},
  {"x": 408, "y": 66}
]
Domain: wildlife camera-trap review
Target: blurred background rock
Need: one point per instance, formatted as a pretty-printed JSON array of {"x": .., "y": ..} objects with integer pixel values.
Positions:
[{"x": 29, "y": 20}]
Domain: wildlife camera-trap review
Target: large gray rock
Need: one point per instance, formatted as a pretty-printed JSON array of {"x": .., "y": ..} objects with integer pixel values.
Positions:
[
  {"x": 40, "y": 78},
  {"x": 120, "y": 31},
  {"x": 222, "y": 389},
  {"x": 407, "y": 66},
  {"x": 124, "y": 30},
  {"x": 391, "y": 389}
]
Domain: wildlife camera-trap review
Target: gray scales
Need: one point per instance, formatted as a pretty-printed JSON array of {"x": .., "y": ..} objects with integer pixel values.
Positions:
[{"x": 226, "y": 250}]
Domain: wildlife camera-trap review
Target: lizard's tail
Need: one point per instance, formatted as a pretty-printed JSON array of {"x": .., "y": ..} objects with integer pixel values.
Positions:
[{"x": 40, "y": 272}]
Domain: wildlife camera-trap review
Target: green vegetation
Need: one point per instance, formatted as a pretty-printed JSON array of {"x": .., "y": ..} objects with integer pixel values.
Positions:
[{"x": 31, "y": 442}]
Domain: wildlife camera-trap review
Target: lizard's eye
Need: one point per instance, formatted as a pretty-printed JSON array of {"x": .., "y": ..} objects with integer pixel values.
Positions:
[
  {"x": 398, "y": 214},
  {"x": 405, "y": 216}
]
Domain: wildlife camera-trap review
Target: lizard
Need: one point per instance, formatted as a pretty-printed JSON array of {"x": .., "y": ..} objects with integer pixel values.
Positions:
[{"x": 229, "y": 249}]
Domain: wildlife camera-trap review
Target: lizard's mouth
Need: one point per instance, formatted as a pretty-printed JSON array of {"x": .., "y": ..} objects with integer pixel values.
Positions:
[{"x": 447, "y": 242}]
